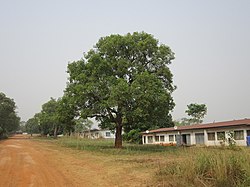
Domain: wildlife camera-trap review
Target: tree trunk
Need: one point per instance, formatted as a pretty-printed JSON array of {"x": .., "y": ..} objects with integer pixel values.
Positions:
[
  {"x": 55, "y": 131},
  {"x": 118, "y": 136}
]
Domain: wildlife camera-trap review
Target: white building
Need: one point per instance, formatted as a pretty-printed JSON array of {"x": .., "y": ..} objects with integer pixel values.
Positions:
[
  {"x": 211, "y": 134},
  {"x": 98, "y": 133}
]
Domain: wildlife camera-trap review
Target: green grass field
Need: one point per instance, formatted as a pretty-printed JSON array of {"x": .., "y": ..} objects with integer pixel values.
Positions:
[{"x": 175, "y": 166}]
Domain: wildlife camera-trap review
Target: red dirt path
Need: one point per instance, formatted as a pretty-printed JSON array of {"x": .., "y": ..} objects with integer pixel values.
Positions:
[
  {"x": 23, "y": 164},
  {"x": 28, "y": 163}
]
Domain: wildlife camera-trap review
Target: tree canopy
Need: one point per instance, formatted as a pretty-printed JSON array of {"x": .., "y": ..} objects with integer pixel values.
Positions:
[
  {"x": 66, "y": 111},
  {"x": 32, "y": 126},
  {"x": 49, "y": 119},
  {"x": 125, "y": 83},
  {"x": 197, "y": 112},
  {"x": 83, "y": 125},
  {"x": 9, "y": 121}
]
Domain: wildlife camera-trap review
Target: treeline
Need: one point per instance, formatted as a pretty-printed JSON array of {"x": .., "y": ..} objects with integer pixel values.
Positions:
[
  {"x": 9, "y": 121},
  {"x": 51, "y": 120}
]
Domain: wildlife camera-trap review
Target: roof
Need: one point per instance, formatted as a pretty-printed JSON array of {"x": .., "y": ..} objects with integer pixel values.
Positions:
[
  {"x": 96, "y": 130},
  {"x": 203, "y": 126}
]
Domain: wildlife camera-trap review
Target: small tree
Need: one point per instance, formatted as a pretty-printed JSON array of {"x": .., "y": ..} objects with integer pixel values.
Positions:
[{"x": 197, "y": 112}]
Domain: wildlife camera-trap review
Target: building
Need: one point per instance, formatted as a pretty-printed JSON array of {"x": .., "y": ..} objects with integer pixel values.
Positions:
[
  {"x": 98, "y": 133},
  {"x": 210, "y": 134}
]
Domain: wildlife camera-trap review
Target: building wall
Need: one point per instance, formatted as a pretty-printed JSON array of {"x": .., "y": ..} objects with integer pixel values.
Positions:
[
  {"x": 98, "y": 134},
  {"x": 171, "y": 137},
  {"x": 217, "y": 142},
  {"x": 106, "y": 134}
]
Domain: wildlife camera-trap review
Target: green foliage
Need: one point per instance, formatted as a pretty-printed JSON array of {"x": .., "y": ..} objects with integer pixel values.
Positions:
[
  {"x": 9, "y": 121},
  {"x": 66, "y": 113},
  {"x": 83, "y": 125},
  {"x": 32, "y": 126},
  {"x": 133, "y": 136},
  {"x": 49, "y": 118},
  {"x": 124, "y": 82},
  {"x": 3, "y": 135},
  {"x": 197, "y": 111}
]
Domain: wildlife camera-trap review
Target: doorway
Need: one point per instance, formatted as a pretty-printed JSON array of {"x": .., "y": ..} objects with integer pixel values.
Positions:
[
  {"x": 186, "y": 139},
  {"x": 248, "y": 132}
]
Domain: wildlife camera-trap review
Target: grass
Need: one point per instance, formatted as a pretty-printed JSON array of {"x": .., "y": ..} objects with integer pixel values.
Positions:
[
  {"x": 106, "y": 146},
  {"x": 208, "y": 167},
  {"x": 175, "y": 166}
]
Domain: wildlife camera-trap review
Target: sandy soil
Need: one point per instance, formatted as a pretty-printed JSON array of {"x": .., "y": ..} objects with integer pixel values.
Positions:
[{"x": 27, "y": 163}]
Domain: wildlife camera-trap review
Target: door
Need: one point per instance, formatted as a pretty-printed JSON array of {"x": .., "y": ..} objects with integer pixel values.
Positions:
[
  {"x": 186, "y": 140},
  {"x": 199, "y": 138},
  {"x": 178, "y": 140},
  {"x": 188, "y": 137}
]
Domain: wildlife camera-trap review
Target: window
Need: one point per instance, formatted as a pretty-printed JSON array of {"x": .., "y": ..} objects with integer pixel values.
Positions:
[
  {"x": 239, "y": 135},
  {"x": 108, "y": 134},
  {"x": 248, "y": 132},
  {"x": 144, "y": 139},
  {"x": 157, "y": 138},
  {"x": 171, "y": 138},
  {"x": 162, "y": 138},
  {"x": 211, "y": 136},
  {"x": 220, "y": 135},
  {"x": 150, "y": 139}
]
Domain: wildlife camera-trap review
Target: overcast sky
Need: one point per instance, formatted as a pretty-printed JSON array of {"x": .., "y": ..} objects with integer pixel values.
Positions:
[{"x": 211, "y": 41}]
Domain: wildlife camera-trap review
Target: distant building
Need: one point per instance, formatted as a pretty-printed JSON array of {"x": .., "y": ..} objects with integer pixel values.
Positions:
[
  {"x": 98, "y": 133},
  {"x": 210, "y": 134}
]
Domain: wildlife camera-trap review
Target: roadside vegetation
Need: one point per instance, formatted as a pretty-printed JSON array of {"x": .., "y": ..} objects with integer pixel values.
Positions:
[
  {"x": 173, "y": 166},
  {"x": 207, "y": 167},
  {"x": 9, "y": 121}
]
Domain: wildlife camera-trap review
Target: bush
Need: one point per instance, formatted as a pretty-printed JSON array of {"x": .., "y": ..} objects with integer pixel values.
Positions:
[{"x": 133, "y": 136}]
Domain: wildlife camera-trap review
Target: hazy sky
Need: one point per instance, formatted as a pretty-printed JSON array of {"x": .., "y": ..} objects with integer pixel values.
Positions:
[{"x": 211, "y": 40}]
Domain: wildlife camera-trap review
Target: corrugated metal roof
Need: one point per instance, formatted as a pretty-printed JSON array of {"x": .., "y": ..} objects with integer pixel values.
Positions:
[{"x": 204, "y": 126}]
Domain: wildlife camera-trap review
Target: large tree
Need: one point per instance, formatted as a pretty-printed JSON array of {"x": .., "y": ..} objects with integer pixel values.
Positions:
[
  {"x": 9, "y": 121},
  {"x": 125, "y": 83},
  {"x": 197, "y": 112}
]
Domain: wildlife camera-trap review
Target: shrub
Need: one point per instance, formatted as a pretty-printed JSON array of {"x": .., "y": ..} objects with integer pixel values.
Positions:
[{"x": 133, "y": 136}]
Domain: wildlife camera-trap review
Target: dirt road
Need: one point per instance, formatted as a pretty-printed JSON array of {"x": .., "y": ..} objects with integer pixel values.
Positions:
[
  {"x": 23, "y": 163},
  {"x": 28, "y": 163}
]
